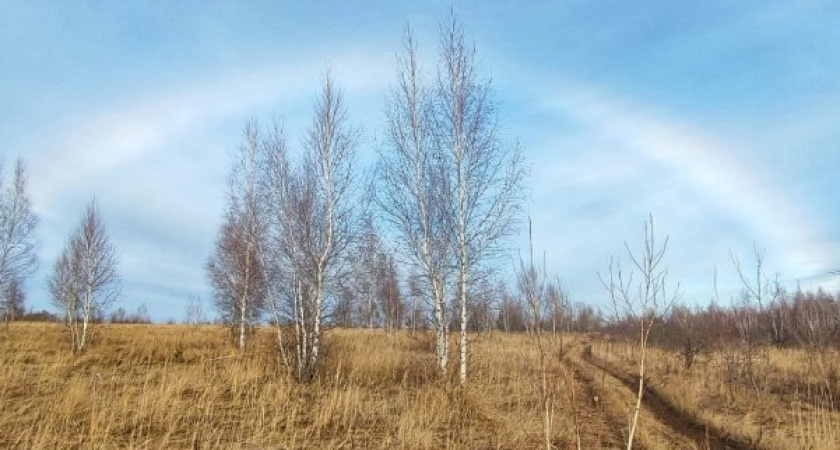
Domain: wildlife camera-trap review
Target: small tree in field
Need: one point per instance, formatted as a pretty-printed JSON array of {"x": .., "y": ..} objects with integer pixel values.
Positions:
[
  {"x": 85, "y": 280},
  {"x": 758, "y": 299},
  {"x": 327, "y": 221},
  {"x": 312, "y": 219},
  {"x": 533, "y": 285},
  {"x": 235, "y": 268},
  {"x": 17, "y": 240},
  {"x": 13, "y": 299},
  {"x": 640, "y": 297},
  {"x": 194, "y": 312}
]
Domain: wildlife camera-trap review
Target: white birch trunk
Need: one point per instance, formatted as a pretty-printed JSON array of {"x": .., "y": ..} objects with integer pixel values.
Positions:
[
  {"x": 462, "y": 373},
  {"x": 88, "y": 310},
  {"x": 638, "y": 400},
  {"x": 441, "y": 330}
]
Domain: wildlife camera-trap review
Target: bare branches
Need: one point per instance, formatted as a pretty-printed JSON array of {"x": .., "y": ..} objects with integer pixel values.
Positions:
[
  {"x": 450, "y": 188},
  {"x": 641, "y": 292},
  {"x": 484, "y": 176},
  {"x": 85, "y": 280},
  {"x": 642, "y": 301},
  {"x": 17, "y": 241},
  {"x": 301, "y": 222},
  {"x": 413, "y": 188},
  {"x": 759, "y": 288},
  {"x": 236, "y": 268},
  {"x": 537, "y": 291}
]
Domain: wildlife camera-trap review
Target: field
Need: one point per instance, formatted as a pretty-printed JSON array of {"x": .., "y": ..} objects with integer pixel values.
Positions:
[{"x": 176, "y": 386}]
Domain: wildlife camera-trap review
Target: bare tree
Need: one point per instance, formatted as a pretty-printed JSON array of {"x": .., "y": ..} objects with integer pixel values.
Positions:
[
  {"x": 412, "y": 190},
  {"x": 390, "y": 294},
  {"x": 344, "y": 311},
  {"x": 13, "y": 299},
  {"x": 484, "y": 175},
  {"x": 312, "y": 218},
  {"x": 450, "y": 187},
  {"x": 279, "y": 253},
  {"x": 641, "y": 297},
  {"x": 85, "y": 280},
  {"x": 485, "y": 297},
  {"x": 758, "y": 294},
  {"x": 755, "y": 320},
  {"x": 533, "y": 284},
  {"x": 416, "y": 316},
  {"x": 62, "y": 284},
  {"x": 194, "y": 311},
  {"x": 331, "y": 219},
  {"x": 239, "y": 284},
  {"x": 369, "y": 250},
  {"x": 17, "y": 236},
  {"x": 557, "y": 302},
  {"x": 510, "y": 317}
]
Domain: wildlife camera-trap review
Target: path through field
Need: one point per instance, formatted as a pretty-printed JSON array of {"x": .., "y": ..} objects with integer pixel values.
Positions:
[{"x": 661, "y": 424}]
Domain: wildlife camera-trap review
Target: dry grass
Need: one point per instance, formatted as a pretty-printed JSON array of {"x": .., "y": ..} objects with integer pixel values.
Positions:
[
  {"x": 780, "y": 407},
  {"x": 145, "y": 386}
]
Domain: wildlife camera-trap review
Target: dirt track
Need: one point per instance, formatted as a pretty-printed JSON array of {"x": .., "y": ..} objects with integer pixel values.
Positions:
[{"x": 678, "y": 424}]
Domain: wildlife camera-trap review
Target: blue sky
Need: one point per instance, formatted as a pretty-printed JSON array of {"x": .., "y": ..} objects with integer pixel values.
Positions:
[{"x": 720, "y": 118}]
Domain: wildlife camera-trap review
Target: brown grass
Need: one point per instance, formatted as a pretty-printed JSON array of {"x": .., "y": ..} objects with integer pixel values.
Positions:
[
  {"x": 780, "y": 407},
  {"x": 144, "y": 386}
]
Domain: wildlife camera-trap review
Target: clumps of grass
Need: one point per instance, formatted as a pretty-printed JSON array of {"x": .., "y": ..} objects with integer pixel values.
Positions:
[{"x": 187, "y": 387}]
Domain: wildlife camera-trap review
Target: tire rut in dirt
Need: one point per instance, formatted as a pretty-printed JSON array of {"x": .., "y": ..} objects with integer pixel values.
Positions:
[
  {"x": 614, "y": 425},
  {"x": 668, "y": 414}
]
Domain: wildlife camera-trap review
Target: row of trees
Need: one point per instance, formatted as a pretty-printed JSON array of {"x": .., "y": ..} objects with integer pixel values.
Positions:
[
  {"x": 802, "y": 319},
  {"x": 298, "y": 236}
]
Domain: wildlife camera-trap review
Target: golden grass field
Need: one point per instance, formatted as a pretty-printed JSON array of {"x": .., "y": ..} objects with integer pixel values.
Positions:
[{"x": 177, "y": 386}]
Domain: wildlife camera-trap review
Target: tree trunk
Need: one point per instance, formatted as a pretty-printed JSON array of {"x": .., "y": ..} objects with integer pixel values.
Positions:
[
  {"x": 300, "y": 330},
  {"x": 462, "y": 373},
  {"x": 243, "y": 303},
  {"x": 88, "y": 310},
  {"x": 640, "y": 394},
  {"x": 441, "y": 331},
  {"x": 316, "y": 327}
]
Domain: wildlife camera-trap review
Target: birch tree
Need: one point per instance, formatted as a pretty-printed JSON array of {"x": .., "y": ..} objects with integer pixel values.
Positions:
[
  {"x": 641, "y": 297},
  {"x": 533, "y": 285},
  {"x": 313, "y": 220},
  {"x": 484, "y": 174},
  {"x": 413, "y": 188},
  {"x": 389, "y": 293},
  {"x": 234, "y": 269},
  {"x": 329, "y": 175},
  {"x": 17, "y": 234},
  {"x": 65, "y": 294},
  {"x": 278, "y": 252},
  {"x": 369, "y": 251},
  {"x": 85, "y": 280},
  {"x": 13, "y": 299}
]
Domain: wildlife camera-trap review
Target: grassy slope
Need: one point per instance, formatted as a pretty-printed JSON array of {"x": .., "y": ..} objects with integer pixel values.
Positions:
[{"x": 179, "y": 387}]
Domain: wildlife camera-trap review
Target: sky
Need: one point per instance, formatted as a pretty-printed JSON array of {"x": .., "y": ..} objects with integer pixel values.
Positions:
[{"x": 719, "y": 118}]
